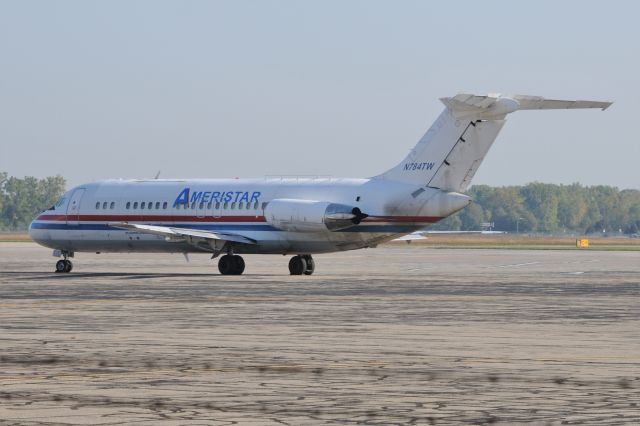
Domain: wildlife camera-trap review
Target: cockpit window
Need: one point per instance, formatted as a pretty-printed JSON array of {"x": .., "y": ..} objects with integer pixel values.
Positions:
[{"x": 59, "y": 204}]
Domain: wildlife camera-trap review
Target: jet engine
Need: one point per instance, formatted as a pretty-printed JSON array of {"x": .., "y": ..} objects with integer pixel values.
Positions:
[{"x": 311, "y": 216}]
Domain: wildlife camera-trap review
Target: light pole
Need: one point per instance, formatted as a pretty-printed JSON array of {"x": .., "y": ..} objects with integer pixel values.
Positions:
[{"x": 518, "y": 225}]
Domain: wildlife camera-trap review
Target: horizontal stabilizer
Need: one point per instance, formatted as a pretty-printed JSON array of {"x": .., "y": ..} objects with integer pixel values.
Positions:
[{"x": 494, "y": 105}]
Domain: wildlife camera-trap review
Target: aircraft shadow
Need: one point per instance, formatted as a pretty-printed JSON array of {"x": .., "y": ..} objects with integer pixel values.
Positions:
[{"x": 46, "y": 275}]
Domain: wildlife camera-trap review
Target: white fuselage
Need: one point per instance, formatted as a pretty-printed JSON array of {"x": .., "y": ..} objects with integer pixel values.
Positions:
[{"x": 80, "y": 221}]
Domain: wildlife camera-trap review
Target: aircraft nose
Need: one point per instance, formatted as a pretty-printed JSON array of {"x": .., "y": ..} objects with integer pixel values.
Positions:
[
  {"x": 32, "y": 230},
  {"x": 38, "y": 235}
]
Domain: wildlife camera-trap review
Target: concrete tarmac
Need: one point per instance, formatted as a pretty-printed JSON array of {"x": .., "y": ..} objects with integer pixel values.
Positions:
[{"x": 393, "y": 335}]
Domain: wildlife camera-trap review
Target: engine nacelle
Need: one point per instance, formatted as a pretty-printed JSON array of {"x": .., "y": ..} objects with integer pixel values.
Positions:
[{"x": 311, "y": 216}]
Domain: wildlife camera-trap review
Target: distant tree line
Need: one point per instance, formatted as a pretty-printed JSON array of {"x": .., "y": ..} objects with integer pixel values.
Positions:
[
  {"x": 22, "y": 199},
  {"x": 549, "y": 208}
]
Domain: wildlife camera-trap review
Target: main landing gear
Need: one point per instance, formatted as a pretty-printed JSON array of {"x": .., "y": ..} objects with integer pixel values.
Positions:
[
  {"x": 302, "y": 264},
  {"x": 231, "y": 264}
]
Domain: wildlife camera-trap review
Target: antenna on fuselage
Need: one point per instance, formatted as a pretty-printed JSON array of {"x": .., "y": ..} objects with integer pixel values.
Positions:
[{"x": 157, "y": 174}]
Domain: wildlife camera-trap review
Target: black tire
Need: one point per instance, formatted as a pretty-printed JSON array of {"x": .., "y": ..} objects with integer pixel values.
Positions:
[
  {"x": 311, "y": 265},
  {"x": 238, "y": 264},
  {"x": 297, "y": 265},
  {"x": 225, "y": 265},
  {"x": 61, "y": 266},
  {"x": 68, "y": 266}
]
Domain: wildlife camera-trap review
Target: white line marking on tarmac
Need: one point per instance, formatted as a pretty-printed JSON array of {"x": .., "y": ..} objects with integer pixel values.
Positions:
[
  {"x": 420, "y": 269},
  {"x": 513, "y": 265}
]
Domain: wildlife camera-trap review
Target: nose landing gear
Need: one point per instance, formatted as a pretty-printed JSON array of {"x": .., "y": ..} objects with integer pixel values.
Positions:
[
  {"x": 64, "y": 265},
  {"x": 302, "y": 264}
]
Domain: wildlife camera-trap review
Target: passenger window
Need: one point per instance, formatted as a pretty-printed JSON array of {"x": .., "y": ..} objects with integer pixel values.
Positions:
[
  {"x": 201, "y": 205},
  {"x": 226, "y": 204},
  {"x": 209, "y": 205},
  {"x": 104, "y": 205},
  {"x": 248, "y": 206},
  {"x": 217, "y": 205},
  {"x": 128, "y": 205},
  {"x": 240, "y": 205},
  {"x": 135, "y": 205},
  {"x": 97, "y": 205},
  {"x": 233, "y": 205},
  {"x": 264, "y": 206},
  {"x": 164, "y": 205},
  {"x": 193, "y": 205},
  {"x": 157, "y": 205},
  {"x": 255, "y": 205},
  {"x": 142, "y": 204},
  {"x": 113, "y": 205}
]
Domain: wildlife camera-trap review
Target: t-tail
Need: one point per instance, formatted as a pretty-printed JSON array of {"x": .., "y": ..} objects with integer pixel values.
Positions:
[{"x": 449, "y": 154}]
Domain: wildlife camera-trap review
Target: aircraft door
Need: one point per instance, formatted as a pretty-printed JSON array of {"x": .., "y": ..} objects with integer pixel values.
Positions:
[{"x": 73, "y": 208}]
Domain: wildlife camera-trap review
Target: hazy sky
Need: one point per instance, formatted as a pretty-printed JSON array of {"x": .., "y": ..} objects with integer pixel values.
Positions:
[{"x": 95, "y": 90}]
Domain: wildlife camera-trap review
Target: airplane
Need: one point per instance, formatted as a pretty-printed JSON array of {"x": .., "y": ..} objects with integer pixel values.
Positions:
[{"x": 288, "y": 216}]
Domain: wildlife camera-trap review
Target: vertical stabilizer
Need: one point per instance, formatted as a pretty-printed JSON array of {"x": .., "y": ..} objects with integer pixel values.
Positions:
[{"x": 449, "y": 154}]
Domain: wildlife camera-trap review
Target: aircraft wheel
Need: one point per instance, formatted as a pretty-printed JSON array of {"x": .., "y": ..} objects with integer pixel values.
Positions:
[
  {"x": 311, "y": 265},
  {"x": 61, "y": 266},
  {"x": 238, "y": 264},
  {"x": 225, "y": 265},
  {"x": 297, "y": 265},
  {"x": 68, "y": 266}
]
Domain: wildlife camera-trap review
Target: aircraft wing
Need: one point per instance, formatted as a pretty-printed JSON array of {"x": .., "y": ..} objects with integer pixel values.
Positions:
[
  {"x": 193, "y": 236},
  {"x": 411, "y": 237},
  {"x": 463, "y": 232},
  {"x": 420, "y": 235}
]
